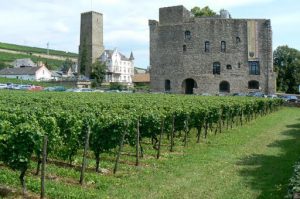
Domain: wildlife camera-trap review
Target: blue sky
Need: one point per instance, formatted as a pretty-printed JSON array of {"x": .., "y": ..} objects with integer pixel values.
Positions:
[{"x": 36, "y": 22}]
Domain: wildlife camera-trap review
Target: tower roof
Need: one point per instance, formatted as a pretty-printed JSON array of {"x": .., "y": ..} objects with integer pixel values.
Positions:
[{"x": 131, "y": 56}]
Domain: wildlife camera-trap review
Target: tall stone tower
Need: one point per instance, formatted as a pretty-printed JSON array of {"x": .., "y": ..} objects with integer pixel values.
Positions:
[{"x": 91, "y": 40}]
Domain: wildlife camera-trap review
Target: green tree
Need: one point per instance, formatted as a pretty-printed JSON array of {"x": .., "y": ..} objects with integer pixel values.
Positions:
[
  {"x": 84, "y": 62},
  {"x": 204, "y": 12},
  {"x": 287, "y": 66},
  {"x": 3, "y": 65},
  {"x": 98, "y": 72},
  {"x": 68, "y": 63}
]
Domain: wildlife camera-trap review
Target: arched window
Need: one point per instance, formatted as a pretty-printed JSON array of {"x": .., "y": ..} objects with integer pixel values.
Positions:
[
  {"x": 254, "y": 68},
  {"x": 237, "y": 40},
  {"x": 224, "y": 87},
  {"x": 184, "y": 48},
  {"x": 253, "y": 84},
  {"x": 223, "y": 46},
  {"x": 207, "y": 46},
  {"x": 187, "y": 35},
  {"x": 216, "y": 68},
  {"x": 167, "y": 85}
]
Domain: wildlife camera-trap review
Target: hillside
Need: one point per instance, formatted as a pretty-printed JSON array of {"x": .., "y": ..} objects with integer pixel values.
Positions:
[
  {"x": 28, "y": 49},
  {"x": 11, "y": 52}
]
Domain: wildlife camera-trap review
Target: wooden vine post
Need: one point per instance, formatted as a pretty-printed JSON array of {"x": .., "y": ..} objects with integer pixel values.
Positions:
[
  {"x": 86, "y": 147},
  {"x": 43, "y": 166},
  {"x": 172, "y": 134},
  {"x": 137, "y": 151},
  {"x": 160, "y": 137},
  {"x": 119, "y": 152}
]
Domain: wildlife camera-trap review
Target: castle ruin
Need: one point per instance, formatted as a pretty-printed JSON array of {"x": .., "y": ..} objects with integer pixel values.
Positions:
[{"x": 216, "y": 54}]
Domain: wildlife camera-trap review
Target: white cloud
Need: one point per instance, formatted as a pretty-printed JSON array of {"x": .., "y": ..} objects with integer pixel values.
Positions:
[{"x": 60, "y": 27}]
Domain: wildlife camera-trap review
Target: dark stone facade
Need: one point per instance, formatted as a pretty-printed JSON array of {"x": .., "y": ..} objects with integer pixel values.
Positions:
[{"x": 210, "y": 54}]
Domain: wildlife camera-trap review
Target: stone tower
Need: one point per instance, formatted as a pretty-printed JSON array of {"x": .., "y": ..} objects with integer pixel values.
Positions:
[{"x": 91, "y": 39}]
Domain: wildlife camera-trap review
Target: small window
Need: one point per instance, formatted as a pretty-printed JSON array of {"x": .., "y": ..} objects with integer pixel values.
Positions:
[
  {"x": 254, "y": 68},
  {"x": 228, "y": 67},
  {"x": 184, "y": 48},
  {"x": 223, "y": 46},
  {"x": 206, "y": 46},
  {"x": 253, "y": 84},
  {"x": 187, "y": 35},
  {"x": 237, "y": 40},
  {"x": 216, "y": 68}
]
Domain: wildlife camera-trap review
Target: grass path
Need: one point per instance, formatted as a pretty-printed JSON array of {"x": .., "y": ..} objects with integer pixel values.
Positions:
[{"x": 254, "y": 161}]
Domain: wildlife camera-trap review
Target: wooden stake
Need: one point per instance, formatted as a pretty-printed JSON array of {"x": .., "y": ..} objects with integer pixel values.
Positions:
[
  {"x": 160, "y": 137},
  {"x": 119, "y": 152},
  {"x": 43, "y": 166},
  {"x": 137, "y": 143},
  {"x": 86, "y": 147},
  {"x": 172, "y": 134}
]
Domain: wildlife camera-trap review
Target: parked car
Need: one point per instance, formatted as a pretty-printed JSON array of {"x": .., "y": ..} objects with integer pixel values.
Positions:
[
  {"x": 13, "y": 86},
  {"x": 3, "y": 86},
  {"x": 291, "y": 98},
  {"x": 256, "y": 94},
  {"x": 25, "y": 87},
  {"x": 272, "y": 96}
]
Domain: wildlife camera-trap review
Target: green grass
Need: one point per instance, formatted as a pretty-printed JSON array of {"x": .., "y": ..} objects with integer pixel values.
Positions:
[
  {"x": 29, "y": 49},
  {"x": 10, "y": 57},
  {"x": 253, "y": 161}
]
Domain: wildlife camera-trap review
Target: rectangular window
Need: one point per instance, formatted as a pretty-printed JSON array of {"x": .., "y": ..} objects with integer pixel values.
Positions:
[
  {"x": 254, "y": 68},
  {"x": 206, "y": 46},
  {"x": 223, "y": 46}
]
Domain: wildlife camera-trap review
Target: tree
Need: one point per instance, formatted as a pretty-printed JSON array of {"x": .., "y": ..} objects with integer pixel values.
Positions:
[
  {"x": 287, "y": 66},
  {"x": 84, "y": 62},
  {"x": 98, "y": 72},
  {"x": 3, "y": 65},
  {"x": 68, "y": 63},
  {"x": 204, "y": 12}
]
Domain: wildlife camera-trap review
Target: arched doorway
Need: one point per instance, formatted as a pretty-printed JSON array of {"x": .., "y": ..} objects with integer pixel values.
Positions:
[
  {"x": 188, "y": 85},
  {"x": 224, "y": 87}
]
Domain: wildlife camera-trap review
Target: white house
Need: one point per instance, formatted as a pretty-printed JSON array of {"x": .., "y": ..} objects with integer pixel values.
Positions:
[
  {"x": 119, "y": 68},
  {"x": 27, "y": 73}
]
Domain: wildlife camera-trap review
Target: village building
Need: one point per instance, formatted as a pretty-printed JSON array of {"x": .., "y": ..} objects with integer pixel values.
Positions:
[
  {"x": 26, "y": 62},
  {"x": 216, "y": 54},
  {"x": 40, "y": 73},
  {"x": 119, "y": 68}
]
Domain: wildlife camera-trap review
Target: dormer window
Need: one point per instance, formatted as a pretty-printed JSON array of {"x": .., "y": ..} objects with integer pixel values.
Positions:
[{"x": 187, "y": 35}]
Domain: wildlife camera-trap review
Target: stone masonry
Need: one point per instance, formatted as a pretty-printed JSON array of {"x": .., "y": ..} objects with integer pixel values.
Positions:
[
  {"x": 91, "y": 35},
  {"x": 210, "y": 54}
]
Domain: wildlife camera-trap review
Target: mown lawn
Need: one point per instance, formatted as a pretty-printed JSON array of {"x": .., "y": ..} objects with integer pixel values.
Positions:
[{"x": 253, "y": 161}]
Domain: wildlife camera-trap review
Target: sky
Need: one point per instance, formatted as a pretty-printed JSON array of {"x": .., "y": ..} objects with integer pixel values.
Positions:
[{"x": 37, "y": 22}]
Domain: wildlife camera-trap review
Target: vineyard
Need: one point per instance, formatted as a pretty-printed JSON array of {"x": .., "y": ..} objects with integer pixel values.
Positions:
[{"x": 39, "y": 128}]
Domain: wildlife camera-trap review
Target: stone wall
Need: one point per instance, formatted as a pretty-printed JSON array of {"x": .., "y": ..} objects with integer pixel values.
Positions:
[{"x": 169, "y": 61}]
